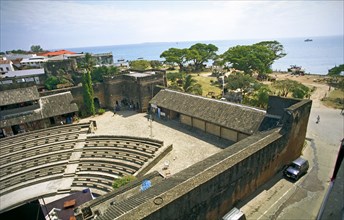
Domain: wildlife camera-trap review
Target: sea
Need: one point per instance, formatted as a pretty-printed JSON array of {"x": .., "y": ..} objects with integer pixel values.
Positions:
[{"x": 315, "y": 57}]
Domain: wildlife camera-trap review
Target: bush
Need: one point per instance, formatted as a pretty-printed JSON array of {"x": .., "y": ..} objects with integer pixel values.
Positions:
[
  {"x": 122, "y": 181},
  {"x": 101, "y": 111}
]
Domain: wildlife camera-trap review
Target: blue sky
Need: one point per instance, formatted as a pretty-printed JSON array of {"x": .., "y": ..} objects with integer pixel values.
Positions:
[{"x": 70, "y": 24}]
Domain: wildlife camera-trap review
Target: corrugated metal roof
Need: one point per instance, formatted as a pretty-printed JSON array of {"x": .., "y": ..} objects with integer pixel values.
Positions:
[{"x": 20, "y": 73}]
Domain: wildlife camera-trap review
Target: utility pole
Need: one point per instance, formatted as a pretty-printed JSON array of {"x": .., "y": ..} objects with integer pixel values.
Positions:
[{"x": 150, "y": 126}]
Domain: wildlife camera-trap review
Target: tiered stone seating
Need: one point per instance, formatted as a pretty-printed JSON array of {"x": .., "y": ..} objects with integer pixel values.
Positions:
[
  {"x": 70, "y": 128},
  {"x": 37, "y": 156},
  {"x": 32, "y": 176},
  {"x": 105, "y": 158}
]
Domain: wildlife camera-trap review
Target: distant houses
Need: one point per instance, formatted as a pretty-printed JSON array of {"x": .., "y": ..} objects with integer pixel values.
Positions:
[{"x": 18, "y": 68}]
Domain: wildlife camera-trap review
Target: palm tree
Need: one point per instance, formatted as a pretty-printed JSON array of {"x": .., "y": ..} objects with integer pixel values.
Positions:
[
  {"x": 187, "y": 84},
  {"x": 190, "y": 86}
]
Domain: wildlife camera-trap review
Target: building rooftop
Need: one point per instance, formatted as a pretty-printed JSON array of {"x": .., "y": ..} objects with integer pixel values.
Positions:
[
  {"x": 68, "y": 203},
  {"x": 5, "y": 62},
  {"x": 8, "y": 97},
  {"x": 50, "y": 106},
  {"x": 56, "y": 53},
  {"x": 21, "y": 73},
  {"x": 237, "y": 117}
]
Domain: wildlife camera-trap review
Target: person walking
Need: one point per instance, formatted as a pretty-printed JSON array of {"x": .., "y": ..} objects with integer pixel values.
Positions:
[{"x": 318, "y": 119}]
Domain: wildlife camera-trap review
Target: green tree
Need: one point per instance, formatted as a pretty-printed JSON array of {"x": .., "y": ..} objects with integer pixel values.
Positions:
[
  {"x": 297, "y": 90},
  {"x": 155, "y": 64},
  {"x": 336, "y": 71},
  {"x": 51, "y": 82},
  {"x": 300, "y": 91},
  {"x": 187, "y": 84},
  {"x": 174, "y": 76},
  {"x": 140, "y": 65},
  {"x": 36, "y": 48},
  {"x": 251, "y": 58},
  {"x": 122, "y": 181},
  {"x": 284, "y": 87},
  {"x": 88, "y": 93},
  {"x": 260, "y": 97},
  {"x": 190, "y": 85},
  {"x": 241, "y": 81},
  {"x": 176, "y": 56},
  {"x": 275, "y": 46},
  {"x": 99, "y": 73},
  {"x": 200, "y": 54}
]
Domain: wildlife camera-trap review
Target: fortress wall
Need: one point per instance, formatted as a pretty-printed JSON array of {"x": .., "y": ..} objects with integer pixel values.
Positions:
[
  {"x": 113, "y": 92},
  {"x": 211, "y": 188},
  {"x": 148, "y": 87}
]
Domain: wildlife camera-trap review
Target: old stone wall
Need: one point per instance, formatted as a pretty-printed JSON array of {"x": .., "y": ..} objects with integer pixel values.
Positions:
[
  {"x": 211, "y": 188},
  {"x": 138, "y": 91}
]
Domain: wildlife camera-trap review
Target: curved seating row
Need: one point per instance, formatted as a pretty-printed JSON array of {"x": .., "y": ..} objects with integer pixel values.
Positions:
[
  {"x": 39, "y": 150},
  {"x": 14, "y": 167},
  {"x": 108, "y": 167},
  {"x": 105, "y": 158},
  {"x": 33, "y": 176},
  {"x": 138, "y": 142},
  {"x": 40, "y": 141},
  {"x": 38, "y": 156},
  {"x": 31, "y": 135},
  {"x": 96, "y": 183},
  {"x": 135, "y": 153}
]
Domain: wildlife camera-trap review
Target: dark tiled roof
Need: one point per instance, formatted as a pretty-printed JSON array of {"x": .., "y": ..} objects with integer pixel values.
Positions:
[
  {"x": 237, "y": 117},
  {"x": 52, "y": 105},
  {"x": 8, "y": 97}
]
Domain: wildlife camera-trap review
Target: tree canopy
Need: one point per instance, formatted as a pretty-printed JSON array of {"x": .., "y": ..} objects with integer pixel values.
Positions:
[
  {"x": 200, "y": 53},
  {"x": 175, "y": 56},
  {"x": 240, "y": 81},
  {"x": 336, "y": 71},
  {"x": 36, "y": 48},
  {"x": 254, "y": 58},
  {"x": 196, "y": 56},
  {"x": 275, "y": 47},
  {"x": 284, "y": 87},
  {"x": 140, "y": 65},
  {"x": 99, "y": 73}
]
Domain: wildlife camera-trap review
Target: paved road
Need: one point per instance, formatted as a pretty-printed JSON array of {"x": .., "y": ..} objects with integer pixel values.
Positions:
[{"x": 283, "y": 199}]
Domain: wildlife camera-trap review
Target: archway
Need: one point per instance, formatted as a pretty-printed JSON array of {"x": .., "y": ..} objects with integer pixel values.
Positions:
[{"x": 96, "y": 103}]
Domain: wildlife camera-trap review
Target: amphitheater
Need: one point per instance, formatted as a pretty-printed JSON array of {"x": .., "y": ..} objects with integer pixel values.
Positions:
[
  {"x": 68, "y": 158},
  {"x": 207, "y": 174}
]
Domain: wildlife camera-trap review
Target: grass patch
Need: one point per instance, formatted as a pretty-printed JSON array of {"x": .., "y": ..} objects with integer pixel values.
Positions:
[
  {"x": 335, "y": 99},
  {"x": 208, "y": 83}
]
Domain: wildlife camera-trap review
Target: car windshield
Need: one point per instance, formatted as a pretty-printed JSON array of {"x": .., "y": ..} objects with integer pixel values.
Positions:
[{"x": 295, "y": 166}]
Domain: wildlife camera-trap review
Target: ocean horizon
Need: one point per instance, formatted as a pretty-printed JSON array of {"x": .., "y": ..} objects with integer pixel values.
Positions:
[{"x": 315, "y": 57}]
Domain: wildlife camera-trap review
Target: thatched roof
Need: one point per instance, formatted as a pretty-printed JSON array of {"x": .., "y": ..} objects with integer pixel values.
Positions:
[
  {"x": 52, "y": 105},
  {"x": 237, "y": 117},
  {"x": 8, "y": 97}
]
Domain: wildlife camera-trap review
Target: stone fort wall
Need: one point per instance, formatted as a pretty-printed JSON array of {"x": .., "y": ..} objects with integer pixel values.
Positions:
[
  {"x": 211, "y": 188},
  {"x": 138, "y": 90}
]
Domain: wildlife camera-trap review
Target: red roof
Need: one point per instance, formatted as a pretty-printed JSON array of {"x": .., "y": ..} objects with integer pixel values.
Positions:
[
  {"x": 5, "y": 62},
  {"x": 57, "y": 53}
]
